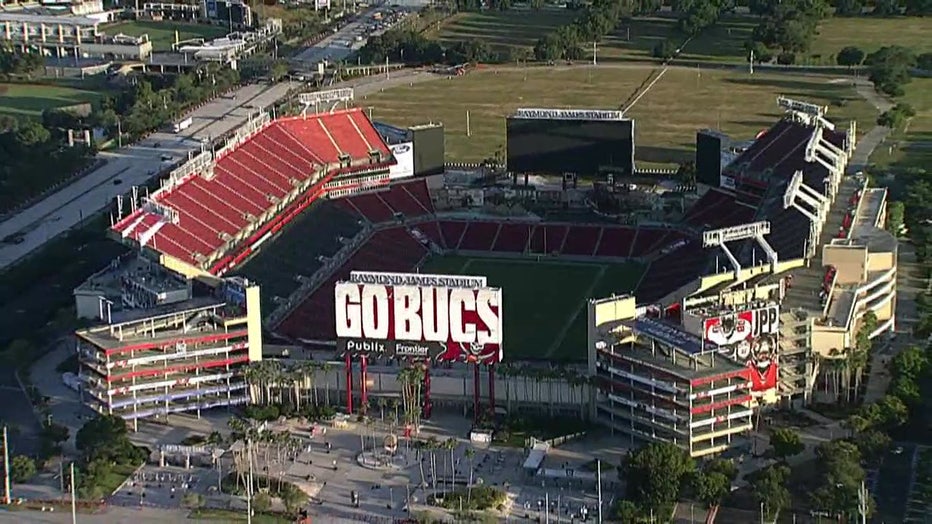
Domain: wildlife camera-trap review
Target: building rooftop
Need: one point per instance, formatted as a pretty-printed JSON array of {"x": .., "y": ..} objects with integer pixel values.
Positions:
[
  {"x": 674, "y": 363},
  {"x": 865, "y": 230},
  {"x": 195, "y": 318},
  {"x": 46, "y": 17},
  {"x": 143, "y": 272}
]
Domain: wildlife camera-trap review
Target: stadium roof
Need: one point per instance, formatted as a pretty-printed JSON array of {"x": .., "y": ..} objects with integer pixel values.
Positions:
[{"x": 201, "y": 217}]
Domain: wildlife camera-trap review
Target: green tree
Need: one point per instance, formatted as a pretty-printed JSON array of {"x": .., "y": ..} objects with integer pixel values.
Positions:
[
  {"x": 656, "y": 473},
  {"x": 918, "y": 7},
  {"x": 262, "y": 502},
  {"x": 895, "y": 217},
  {"x": 769, "y": 488},
  {"x": 849, "y": 7},
  {"x": 872, "y": 444},
  {"x": 890, "y": 67},
  {"x": 22, "y": 468},
  {"x": 839, "y": 477},
  {"x": 292, "y": 497},
  {"x": 192, "y": 500},
  {"x": 786, "y": 443},
  {"x": 627, "y": 511},
  {"x": 664, "y": 49},
  {"x": 850, "y": 56},
  {"x": 30, "y": 133},
  {"x": 924, "y": 61},
  {"x": 886, "y": 8},
  {"x": 711, "y": 487}
]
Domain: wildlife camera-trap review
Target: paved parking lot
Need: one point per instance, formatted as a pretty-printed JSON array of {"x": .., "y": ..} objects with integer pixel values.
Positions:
[{"x": 157, "y": 487}]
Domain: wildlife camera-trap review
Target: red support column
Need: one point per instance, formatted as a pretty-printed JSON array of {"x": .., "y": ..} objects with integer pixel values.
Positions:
[
  {"x": 476, "y": 391},
  {"x": 349, "y": 383},
  {"x": 363, "y": 386},
  {"x": 427, "y": 403},
  {"x": 492, "y": 389}
]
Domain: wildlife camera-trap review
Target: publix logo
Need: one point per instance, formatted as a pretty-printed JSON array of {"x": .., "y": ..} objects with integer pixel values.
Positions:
[{"x": 401, "y": 149}]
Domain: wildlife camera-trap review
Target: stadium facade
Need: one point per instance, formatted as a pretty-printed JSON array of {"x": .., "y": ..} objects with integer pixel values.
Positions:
[
  {"x": 776, "y": 261},
  {"x": 657, "y": 382}
]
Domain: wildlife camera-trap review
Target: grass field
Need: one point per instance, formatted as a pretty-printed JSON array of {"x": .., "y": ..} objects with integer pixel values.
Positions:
[
  {"x": 162, "y": 34},
  {"x": 667, "y": 118},
  {"x": 32, "y": 99},
  {"x": 544, "y": 313},
  {"x": 502, "y": 28},
  {"x": 636, "y": 38},
  {"x": 870, "y": 34},
  {"x": 912, "y": 146}
]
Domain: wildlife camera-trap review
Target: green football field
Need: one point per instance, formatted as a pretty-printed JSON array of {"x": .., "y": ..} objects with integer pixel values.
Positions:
[{"x": 544, "y": 301}]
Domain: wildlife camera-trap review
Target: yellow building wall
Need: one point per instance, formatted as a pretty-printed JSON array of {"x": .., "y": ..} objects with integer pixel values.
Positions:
[
  {"x": 254, "y": 323},
  {"x": 880, "y": 261},
  {"x": 849, "y": 261}
]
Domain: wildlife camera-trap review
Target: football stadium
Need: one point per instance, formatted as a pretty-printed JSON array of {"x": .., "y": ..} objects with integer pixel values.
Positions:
[{"x": 687, "y": 308}]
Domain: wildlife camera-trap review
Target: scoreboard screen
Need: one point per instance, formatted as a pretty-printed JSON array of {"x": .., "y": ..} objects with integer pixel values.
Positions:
[{"x": 572, "y": 142}]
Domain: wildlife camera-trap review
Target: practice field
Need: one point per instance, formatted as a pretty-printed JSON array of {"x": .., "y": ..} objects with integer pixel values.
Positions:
[
  {"x": 162, "y": 34},
  {"x": 667, "y": 118},
  {"x": 502, "y": 29},
  {"x": 635, "y": 38},
  {"x": 871, "y": 33},
  {"x": 32, "y": 99},
  {"x": 544, "y": 301}
]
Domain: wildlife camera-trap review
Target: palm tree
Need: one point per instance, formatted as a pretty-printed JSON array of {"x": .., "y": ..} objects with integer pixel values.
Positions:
[
  {"x": 504, "y": 371},
  {"x": 432, "y": 445},
  {"x": 470, "y": 453},
  {"x": 451, "y": 445},
  {"x": 412, "y": 380},
  {"x": 382, "y": 402},
  {"x": 325, "y": 368}
]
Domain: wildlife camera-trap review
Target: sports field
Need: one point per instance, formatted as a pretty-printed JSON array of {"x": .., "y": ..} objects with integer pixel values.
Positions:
[
  {"x": 502, "y": 29},
  {"x": 635, "y": 38},
  {"x": 871, "y": 33},
  {"x": 162, "y": 34},
  {"x": 667, "y": 118},
  {"x": 910, "y": 147},
  {"x": 544, "y": 301},
  {"x": 32, "y": 99}
]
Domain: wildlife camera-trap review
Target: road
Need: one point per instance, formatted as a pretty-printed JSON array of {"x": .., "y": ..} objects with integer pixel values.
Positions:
[{"x": 126, "y": 167}]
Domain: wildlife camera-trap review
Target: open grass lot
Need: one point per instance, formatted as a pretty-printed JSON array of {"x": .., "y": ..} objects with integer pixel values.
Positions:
[
  {"x": 871, "y": 33},
  {"x": 32, "y": 99},
  {"x": 544, "y": 313},
  {"x": 667, "y": 118},
  {"x": 911, "y": 146},
  {"x": 502, "y": 28},
  {"x": 162, "y": 34},
  {"x": 636, "y": 38}
]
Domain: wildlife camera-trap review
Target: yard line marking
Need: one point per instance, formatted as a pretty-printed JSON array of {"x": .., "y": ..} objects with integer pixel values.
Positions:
[{"x": 557, "y": 340}]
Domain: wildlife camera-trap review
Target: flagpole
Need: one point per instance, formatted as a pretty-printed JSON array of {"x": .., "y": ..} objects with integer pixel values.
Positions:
[{"x": 598, "y": 469}]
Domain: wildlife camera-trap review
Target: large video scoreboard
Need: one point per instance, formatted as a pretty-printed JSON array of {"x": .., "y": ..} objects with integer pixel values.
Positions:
[{"x": 580, "y": 141}]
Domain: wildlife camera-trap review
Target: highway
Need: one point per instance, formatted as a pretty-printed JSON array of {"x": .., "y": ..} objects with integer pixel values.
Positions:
[{"x": 126, "y": 167}]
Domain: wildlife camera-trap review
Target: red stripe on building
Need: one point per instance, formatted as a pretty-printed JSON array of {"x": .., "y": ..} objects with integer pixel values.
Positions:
[
  {"x": 743, "y": 373},
  {"x": 720, "y": 404},
  {"x": 178, "y": 369},
  {"x": 187, "y": 340}
]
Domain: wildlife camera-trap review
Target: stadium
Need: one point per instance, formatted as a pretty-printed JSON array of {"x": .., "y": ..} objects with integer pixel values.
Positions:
[{"x": 690, "y": 307}]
